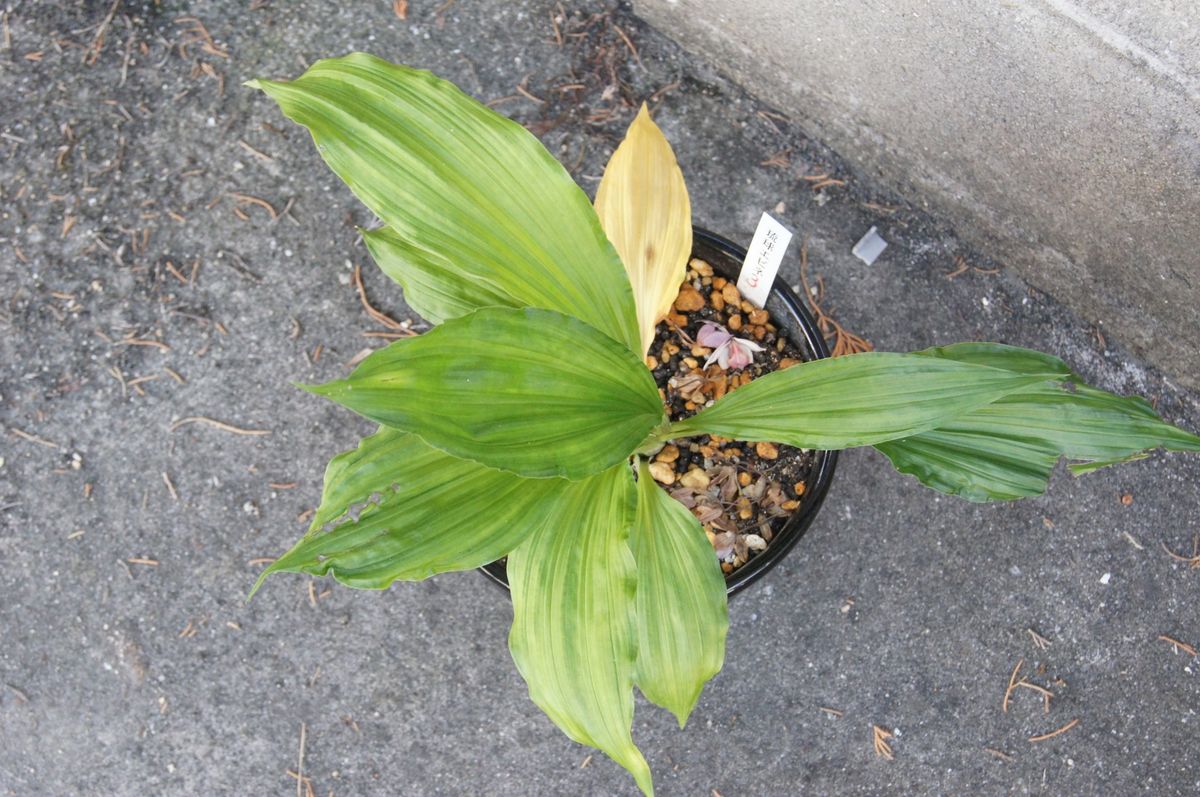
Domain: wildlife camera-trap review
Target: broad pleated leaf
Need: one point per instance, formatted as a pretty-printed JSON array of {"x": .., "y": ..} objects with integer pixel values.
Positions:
[
  {"x": 861, "y": 399},
  {"x": 433, "y": 285},
  {"x": 474, "y": 195},
  {"x": 422, "y": 512},
  {"x": 1008, "y": 449},
  {"x": 529, "y": 391},
  {"x": 645, "y": 211},
  {"x": 573, "y": 636},
  {"x": 682, "y": 615}
]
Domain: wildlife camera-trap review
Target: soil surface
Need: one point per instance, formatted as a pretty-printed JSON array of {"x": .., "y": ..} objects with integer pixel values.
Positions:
[
  {"x": 741, "y": 492},
  {"x": 143, "y": 282}
]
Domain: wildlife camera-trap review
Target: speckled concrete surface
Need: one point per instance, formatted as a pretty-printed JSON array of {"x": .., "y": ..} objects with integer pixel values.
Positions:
[{"x": 129, "y": 662}]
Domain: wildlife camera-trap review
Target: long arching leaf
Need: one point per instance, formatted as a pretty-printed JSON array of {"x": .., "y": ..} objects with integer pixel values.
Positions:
[
  {"x": 861, "y": 399},
  {"x": 419, "y": 512},
  {"x": 682, "y": 614},
  {"x": 474, "y": 195},
  {"x": 433, "y": 286},
  {"x": 573, "y": 636},
  {"x": 529, "y": 391},
  {"x": 1008, "y": 449}
]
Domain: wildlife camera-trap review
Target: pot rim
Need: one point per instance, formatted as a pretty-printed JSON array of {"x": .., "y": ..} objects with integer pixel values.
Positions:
[{"x": 824, "y": 462}]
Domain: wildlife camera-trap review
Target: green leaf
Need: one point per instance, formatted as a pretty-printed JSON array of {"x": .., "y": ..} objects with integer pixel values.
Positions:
[
  {"x": 861, "y": 399},
  {"x": 682, "y": 614},
  {"x": 1008, "y": 449},
  {"x": 433, "y": 285},
  {"x": 573, "y": 636},
  {"x": 475, "y": 197},
  {"x": 529, "y": 391},
  {"x": 433, "y": 513}
]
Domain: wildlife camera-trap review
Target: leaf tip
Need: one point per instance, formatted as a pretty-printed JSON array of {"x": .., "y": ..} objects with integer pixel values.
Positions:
[
  {"x": 264, "y": 85},
  {"x": 324, "y": 389},
  {"x": 262, "y": 577},
  {"x": 642, "y": 776}
]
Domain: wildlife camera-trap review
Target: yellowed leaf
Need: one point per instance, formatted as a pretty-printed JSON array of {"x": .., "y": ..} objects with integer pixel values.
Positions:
[{"x": 645, "y": 211}]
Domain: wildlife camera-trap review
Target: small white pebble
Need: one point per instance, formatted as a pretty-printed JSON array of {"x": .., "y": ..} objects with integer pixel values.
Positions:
[{"x": 1104, "y": 579}]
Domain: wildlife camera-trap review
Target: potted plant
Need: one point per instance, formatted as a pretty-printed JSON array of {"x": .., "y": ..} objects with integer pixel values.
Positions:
[
  {"x": 523, "y": 424},
  {"x": 794, "y": 334}
]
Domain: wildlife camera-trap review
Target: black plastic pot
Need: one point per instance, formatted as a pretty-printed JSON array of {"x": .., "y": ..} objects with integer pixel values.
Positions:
[{"x": 791, "y": 317}]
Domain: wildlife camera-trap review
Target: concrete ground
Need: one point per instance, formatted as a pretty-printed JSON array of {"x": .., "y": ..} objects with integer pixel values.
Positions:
[{"x": 139, "y": 290}]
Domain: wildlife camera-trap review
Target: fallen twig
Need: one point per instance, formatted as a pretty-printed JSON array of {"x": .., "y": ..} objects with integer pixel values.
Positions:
[
  {"x": 92, "y": 53},
  {"x": 882, "y": 748},
  {"x": 249, "y": 199},
  {"x": 224, "y": 427},
  {"x": 300, "y": 761},
  {"x": 1012, "y": 685},
  {"x": 1054, "y": 733},
  {"x": 1192, "y": 561},
  {"x": 1178, "y": 646},
  {"x": 379, "y": 316},
  {"x": 157, "y": 344},
  {"x": 844, "y": 342},
  {"x": 41, "y": 441},
  {"x": 1039, "y": 641}
]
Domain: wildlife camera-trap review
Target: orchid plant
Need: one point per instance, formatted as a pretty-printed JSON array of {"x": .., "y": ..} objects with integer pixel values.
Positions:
[{"x": 517, "y": 426}]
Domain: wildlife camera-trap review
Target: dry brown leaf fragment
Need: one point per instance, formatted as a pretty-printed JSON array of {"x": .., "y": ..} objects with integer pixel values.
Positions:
[{"x": 400, "y": 7}]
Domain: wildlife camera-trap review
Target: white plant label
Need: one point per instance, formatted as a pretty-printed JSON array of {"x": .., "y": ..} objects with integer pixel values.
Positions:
[{"x": 762, "y": 260}]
